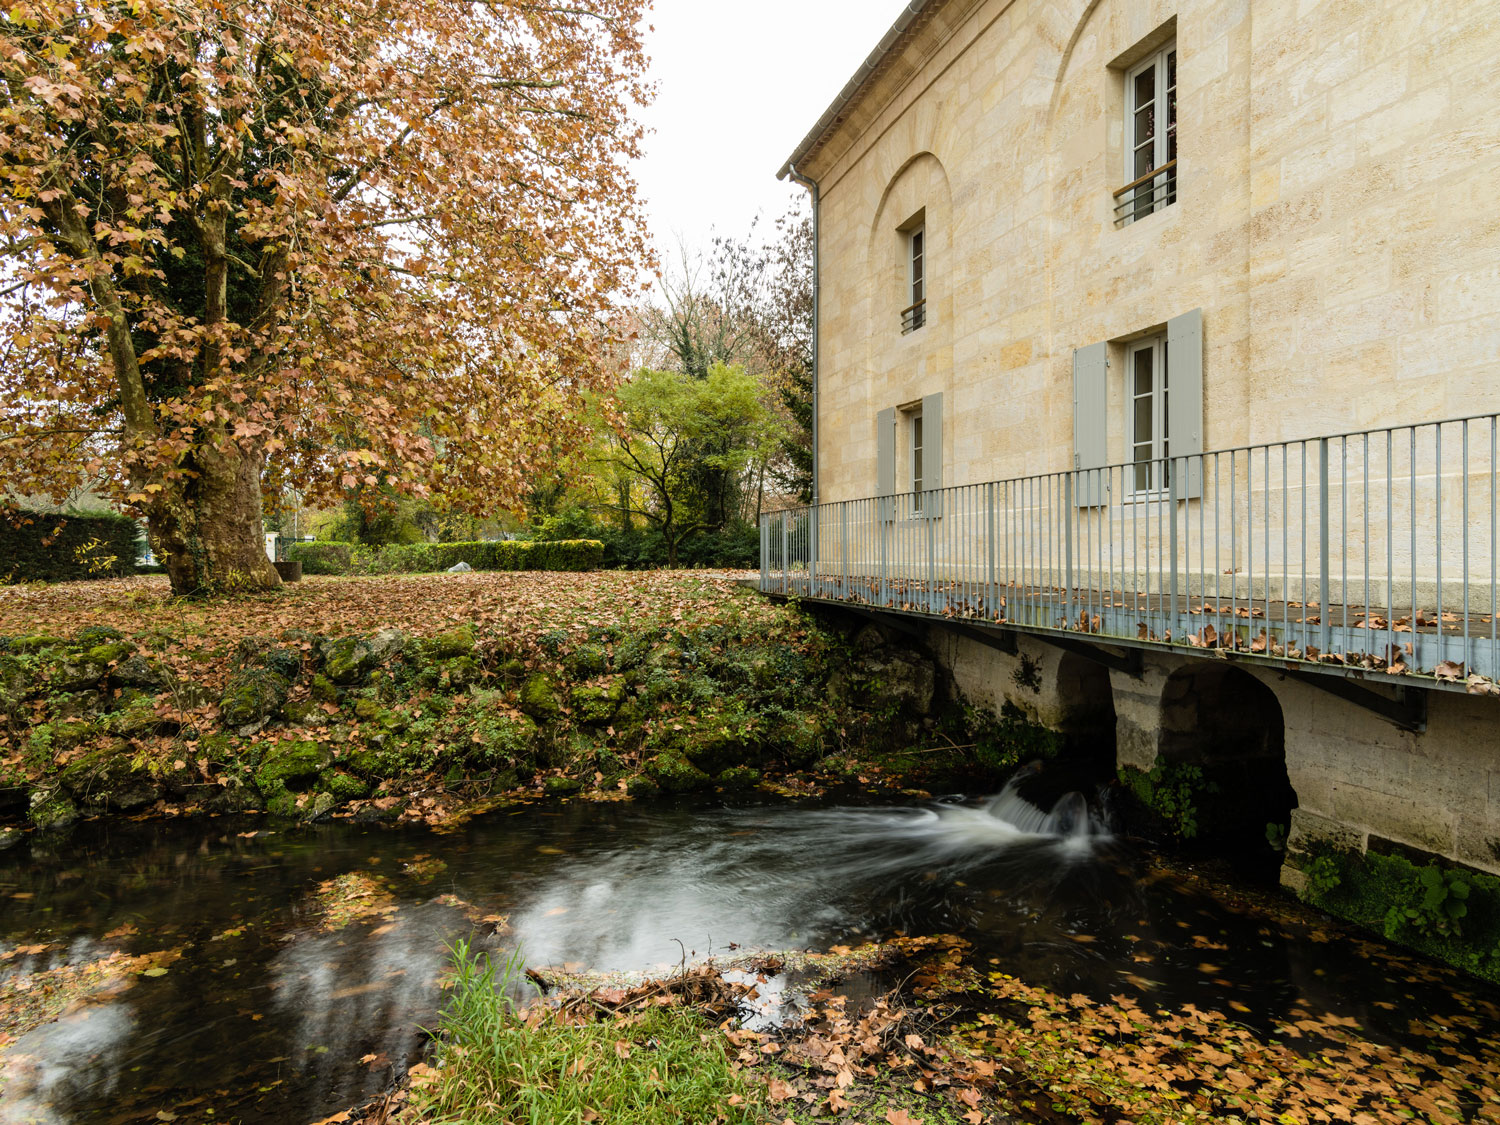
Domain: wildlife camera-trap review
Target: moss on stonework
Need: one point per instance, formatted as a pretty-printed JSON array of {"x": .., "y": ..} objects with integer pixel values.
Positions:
[
  {"x": 676, "y": 774},
  {"x": 738, "y": 777},
  {"x": 96, "y": 635},
  {"x": 344, "y": 786},
  {"x": 1444, "y": 910},
  {"x": 289, "y": 762},
  {"x": 323, "y": 689},
  {"x": 252, "y": 697},
  {"x": 51, "y": 809},
  {"x": 598, "y": 703},
  {"x": 450, "y": 645},
  {"x": 38, "y": 642},
  {"x": 539, "y": 697}
]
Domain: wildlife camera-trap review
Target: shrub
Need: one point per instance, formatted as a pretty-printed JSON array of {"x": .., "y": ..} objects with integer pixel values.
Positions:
[
  {"x": 37, "y": 547},
  {"x": 321, "y": 558},
  {"x": 734, "y": 547},
  {"x": 420, "y": 558}
]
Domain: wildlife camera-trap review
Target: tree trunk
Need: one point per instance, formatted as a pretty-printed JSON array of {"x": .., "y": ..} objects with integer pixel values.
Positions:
[{"x": 207, "y": 529}]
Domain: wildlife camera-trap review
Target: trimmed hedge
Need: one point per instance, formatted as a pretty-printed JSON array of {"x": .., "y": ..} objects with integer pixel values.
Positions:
[
  {"x": 41, "y": 547},
  {"x": 420, "y": 558},
  {"x": 321, "y": 558}
]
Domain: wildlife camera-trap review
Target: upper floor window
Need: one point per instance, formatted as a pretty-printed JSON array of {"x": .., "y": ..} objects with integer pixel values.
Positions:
[
  {"x": 1150, "y": 137},
  {"x": 915, "y": 315}
]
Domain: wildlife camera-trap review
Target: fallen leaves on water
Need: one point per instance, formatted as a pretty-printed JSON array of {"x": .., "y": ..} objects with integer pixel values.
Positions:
[{"x": 353, "y": 897}]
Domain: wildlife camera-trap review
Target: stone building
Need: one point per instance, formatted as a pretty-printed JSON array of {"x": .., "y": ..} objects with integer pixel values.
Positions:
[{"x": 1155, "y": 326}]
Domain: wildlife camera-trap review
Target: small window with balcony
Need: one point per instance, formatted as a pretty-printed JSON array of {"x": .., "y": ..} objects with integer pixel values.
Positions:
[
  {"x": 1150, "y": 137},
  {"x": 915, "y": 314},
  {"x": 1147, "y": 412}
]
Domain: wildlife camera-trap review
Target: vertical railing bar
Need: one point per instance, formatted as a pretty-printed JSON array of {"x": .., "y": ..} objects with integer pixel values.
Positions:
[
  {"x": 1286, "y": 560},
  {"x": 1464, "y": 468},
  {"x": 1344, "y": 530},
  {"x": 1365, "y": 532},
  {"x": 1266, "y": 509},
  {"x": 1250, "y": 542},
  {"x": 1171, "y": 513},
  {"x": 1325, "y": 630},
  {"x": 1492, "y": 671},
  {"x": 1437, "y": 510},
  {"x": 1412, "y": 508},
  {"x": 1303, "y": 547},
  {"x": 1390, "y": 548}
]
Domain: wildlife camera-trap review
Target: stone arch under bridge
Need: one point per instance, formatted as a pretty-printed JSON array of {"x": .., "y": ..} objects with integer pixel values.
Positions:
[{"x": 1228, "y": 723}]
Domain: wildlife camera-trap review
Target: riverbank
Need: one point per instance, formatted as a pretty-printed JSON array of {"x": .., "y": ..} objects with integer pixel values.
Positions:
[{"x": 430, "y": 697}]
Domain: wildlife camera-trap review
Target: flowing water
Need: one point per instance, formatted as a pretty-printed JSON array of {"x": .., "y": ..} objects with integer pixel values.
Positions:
[{"x": 259, "y": 1012}]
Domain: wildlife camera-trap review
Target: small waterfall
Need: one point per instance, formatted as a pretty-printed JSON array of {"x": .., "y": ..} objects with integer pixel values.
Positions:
[{"x": 1070, "y": 816}]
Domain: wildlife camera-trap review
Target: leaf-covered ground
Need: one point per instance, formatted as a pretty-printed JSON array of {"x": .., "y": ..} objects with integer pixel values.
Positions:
[{"x": 426, "y": 696}]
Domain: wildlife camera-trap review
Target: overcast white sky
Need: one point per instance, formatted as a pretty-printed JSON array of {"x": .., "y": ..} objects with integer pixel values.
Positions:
[{"x": 739, "y": 84}]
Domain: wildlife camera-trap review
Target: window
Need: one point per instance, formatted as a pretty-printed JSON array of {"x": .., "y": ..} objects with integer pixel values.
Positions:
[
  {"x": 914, "y": 316},
  {"x": 916, "y": 460},
  {"x": 1147, "y": 412},
  {"x": 1150, "y": 137}
]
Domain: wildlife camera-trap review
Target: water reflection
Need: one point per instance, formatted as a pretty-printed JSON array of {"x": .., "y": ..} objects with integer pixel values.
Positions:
[{"x": 267, "y": 1016}]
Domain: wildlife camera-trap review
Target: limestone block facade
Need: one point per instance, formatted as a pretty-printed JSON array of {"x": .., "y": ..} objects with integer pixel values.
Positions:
[
  {"x": 1336, "y": 220},
  {"x": 1332, "y": 237}
]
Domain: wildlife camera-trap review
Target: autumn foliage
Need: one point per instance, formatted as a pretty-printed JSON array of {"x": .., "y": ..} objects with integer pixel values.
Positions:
[{"x": 330, "y": 244}]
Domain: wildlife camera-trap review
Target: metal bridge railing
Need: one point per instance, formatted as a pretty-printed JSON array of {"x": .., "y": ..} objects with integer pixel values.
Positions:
[{"x": 1372, "y": 551}]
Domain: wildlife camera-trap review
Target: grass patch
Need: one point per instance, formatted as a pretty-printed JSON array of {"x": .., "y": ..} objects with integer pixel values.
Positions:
[{"x": 541, "y": 1066}]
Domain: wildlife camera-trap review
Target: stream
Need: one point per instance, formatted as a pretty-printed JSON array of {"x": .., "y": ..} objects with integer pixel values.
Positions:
[{"x": 256, "y": 1008}]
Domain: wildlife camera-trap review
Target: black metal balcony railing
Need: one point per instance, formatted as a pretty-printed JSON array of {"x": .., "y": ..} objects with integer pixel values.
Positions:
[
  {"x": 913, "y": 317},
  {"x": 1371, "y": 553}
]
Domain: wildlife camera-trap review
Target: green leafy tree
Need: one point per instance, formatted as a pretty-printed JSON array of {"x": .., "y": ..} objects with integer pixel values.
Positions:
[{"x": 670, "y": 426}]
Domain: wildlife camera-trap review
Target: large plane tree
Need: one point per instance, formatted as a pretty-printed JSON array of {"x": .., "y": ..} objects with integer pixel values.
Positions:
[{"x": 338, "y": 243}]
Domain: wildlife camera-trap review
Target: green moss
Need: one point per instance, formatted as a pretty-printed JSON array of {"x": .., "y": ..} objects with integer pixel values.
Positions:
[
  {"x": 47, "y": 740},
  {"x": 457, "y": 673},
  {"x": 368, "y": 710},
  {"x": 136, "y": 718},
  {"x": 289, "y": 762},
  {"x": 108, "y": 778},
  {"x": 676, "y": 774},
  {"x": 587, "y": 661},
  {"x": 51, "y": 809},
  {"x": 38, "y": 642},
  {"x": 598, "y": 703},
  {"x": 252, "y": 697},
  {"x": 561, "y": 786},
  {"x": 280, "y": 801},
  {"x": 323, "y": 689},
  {"x": 539, "y": 697},
  {"x": 349, "y": 660},
  {"x": 738, "y": 777},
  {"x": 298, "y": 711},
  {"x": 96, "y": 635},
  {"x": 451, "y": 645},
  {"x": 1445, "y": 911},
  {"x": 110, "y": 652},
  {"x": 344, "y": 786}
]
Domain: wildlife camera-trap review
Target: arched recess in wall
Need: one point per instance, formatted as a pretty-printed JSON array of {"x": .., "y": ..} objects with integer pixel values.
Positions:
[
  {"x": 1227, "y": 723},
  {"x": 1074, "y": 17},
  {"x": 1088, "y": 709},
  {"x": 918, "y": 190}
]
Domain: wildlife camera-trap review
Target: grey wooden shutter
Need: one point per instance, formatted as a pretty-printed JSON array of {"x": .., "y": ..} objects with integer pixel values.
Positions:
[
  {"x": 1185, "y": 402},
  {"x": 885, "y": 461},
  {"x": 932, "y": 453},
  {"x": 1091, "y": 425}
]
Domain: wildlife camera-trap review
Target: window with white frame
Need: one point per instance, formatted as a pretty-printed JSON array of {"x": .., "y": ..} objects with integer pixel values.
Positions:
[
  {"x": 1146, "y": 412},
  {"x": 915, "y": 315},
  {"x": 1150, "y": 136},
  {"x": 914, "y": 423}
]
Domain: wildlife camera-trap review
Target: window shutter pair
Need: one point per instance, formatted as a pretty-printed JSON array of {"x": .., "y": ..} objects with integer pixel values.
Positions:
[
  {"x": 1184, "y": 413},
  {"x": 932, "y": 456}
]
